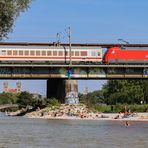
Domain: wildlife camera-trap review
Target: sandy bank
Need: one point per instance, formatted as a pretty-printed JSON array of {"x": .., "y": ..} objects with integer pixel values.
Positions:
[{"x": 81, "y": 112}]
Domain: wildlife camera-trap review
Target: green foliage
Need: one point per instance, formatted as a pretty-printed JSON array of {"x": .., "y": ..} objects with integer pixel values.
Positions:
[
  {"x": 121, "y": 108},
  {"x": 9, "y": 11},
  {"x": 118, "y": 93},
  {"x": 125, "y": 91},
  {"x": 8, "y": 98},
  {"x": 52, "y": 102},
  {"x": 93, "y": 98},
  {"x": 145, "y": 90},
  {"x": 138, "y": 108},
  {"x": 110, "y": 108},
  {"x": 103, "y": 108},
  {"x": 25, "y": 99}
]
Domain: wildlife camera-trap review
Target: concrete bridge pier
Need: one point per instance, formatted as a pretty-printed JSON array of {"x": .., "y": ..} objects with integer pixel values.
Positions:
[
  {"x": 61, "y": 89},
  {"x": 56, "y": 89},
  {"x": 72, "y": 92}
]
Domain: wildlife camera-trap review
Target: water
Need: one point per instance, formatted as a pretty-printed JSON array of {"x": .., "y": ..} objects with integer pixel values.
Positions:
[{"x": 36, "y": 133}]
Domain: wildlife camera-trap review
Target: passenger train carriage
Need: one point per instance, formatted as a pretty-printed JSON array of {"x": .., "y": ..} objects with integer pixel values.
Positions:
[{"x": 51, "y": 54}]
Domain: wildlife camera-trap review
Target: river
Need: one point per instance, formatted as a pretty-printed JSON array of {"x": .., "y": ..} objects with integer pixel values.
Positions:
[{"x": 20, "y": 132}]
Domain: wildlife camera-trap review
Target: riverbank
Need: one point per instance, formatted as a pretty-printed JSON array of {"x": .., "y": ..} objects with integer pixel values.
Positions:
[{"x": 81, "y": 112}]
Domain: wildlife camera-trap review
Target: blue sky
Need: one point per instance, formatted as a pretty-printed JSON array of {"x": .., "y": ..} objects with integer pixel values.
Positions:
[{"x": 91, "y": 21}]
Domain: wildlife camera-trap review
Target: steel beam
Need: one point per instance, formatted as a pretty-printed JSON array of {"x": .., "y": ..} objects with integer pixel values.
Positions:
[{"x": 72, "y": 72}]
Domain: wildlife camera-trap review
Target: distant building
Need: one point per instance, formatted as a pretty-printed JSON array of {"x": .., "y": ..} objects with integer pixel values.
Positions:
[{"x": 7, "y": 89}]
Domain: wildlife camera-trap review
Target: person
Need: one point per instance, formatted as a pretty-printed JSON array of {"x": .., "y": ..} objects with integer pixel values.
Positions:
[
  {"x": 127, "y": 123},
  {"x": 116, "y": 117}
]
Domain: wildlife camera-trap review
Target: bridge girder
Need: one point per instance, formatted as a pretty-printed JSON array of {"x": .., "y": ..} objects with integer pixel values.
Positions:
[{"x": 73, "y": 72}]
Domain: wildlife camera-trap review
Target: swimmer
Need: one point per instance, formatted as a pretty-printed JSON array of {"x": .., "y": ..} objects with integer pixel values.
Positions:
[{"x": 127, "y": 123}]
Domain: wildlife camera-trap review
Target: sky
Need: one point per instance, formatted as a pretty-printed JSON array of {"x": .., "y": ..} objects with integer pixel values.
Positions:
[{"x": 91, "y": 21}]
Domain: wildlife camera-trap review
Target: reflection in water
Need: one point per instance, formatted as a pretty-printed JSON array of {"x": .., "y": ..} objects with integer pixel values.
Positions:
[{"x": 37, "y": 133}]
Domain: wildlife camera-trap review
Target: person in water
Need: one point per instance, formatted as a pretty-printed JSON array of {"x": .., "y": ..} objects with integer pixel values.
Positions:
[{"x": 127, "y": 123}]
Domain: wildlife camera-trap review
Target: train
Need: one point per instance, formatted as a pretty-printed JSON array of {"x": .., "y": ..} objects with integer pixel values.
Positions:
[
  {"x": 128, "y": 55},
  {"x": 77, "y": 55},
  {"x": 51, "y": 54}
]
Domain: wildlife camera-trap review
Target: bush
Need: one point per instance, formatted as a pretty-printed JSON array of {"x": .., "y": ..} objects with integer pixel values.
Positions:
[
  {"x": 8, "y": 98},
  {"x": 139, "y": 108},
  {"x": 103, "y": 108},
  {"x": 52, "y": 102},
  {"x": 121, "y": 108},
  {"x": 25, "y": 99}
]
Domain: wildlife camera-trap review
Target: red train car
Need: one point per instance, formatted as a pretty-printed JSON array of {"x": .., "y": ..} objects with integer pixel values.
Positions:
[{"x": 118, "y": 55}]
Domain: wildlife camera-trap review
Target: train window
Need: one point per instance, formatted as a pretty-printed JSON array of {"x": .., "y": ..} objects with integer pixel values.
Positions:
[
  {"x": 72, "y": 53},
  {"x": 43, "y": 53},
  {"x": 48, "y": 53},
  {"x": 20, "y": 52},
  {"x": 9, "y": 52},
  {"x": 38, "y": 53},
  {"x": 66, "y": 53},
  {"x": 76, "y": 53},
  {"x": 15, "y": 52},
  {"x": 26, "y": 52},
  {"x": 3, "y": 52},
  {"x": 83, "y": 53},
  {"x": 99, "y": 53},
  {"x": 54, "y": 53},
  {"x": 60, "y": 53},
  {"x": 32, "y": 53},
  {"x": 93, "y": 53}
]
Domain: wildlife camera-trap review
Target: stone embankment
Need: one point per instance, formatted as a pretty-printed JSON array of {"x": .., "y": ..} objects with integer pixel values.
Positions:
[{"x": 78, "y": 111}]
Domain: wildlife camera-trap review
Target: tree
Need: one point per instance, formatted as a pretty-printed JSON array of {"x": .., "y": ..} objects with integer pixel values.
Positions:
[
  {"x": 92, "y": 98},
  {"x": 123, "y": 91},
  {"x": 145, "y": 90},
  {"x": 9, "y": 11},
  {"x": 51, "y": 102},
  {"x": 8, "y": 98},
  {"x": 25, "y": 99}
]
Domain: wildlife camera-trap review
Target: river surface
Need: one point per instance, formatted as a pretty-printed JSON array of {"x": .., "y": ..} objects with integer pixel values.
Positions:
[{"x": 20, "y": 132}]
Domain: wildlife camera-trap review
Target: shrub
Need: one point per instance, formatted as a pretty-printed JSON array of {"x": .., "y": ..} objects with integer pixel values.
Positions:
[
  {"x": 52, "y": 102},
  {"x": 121, "y": 108}
]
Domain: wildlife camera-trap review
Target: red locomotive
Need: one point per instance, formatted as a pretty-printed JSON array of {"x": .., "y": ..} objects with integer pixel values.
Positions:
[{"x": 117, "y": 55}]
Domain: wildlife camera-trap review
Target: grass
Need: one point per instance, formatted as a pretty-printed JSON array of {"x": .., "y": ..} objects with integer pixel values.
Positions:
[{"x": 121, "y": 108}]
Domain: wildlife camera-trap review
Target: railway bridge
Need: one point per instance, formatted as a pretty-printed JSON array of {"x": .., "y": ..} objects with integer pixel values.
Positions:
[{"x": 57, "y": 75}]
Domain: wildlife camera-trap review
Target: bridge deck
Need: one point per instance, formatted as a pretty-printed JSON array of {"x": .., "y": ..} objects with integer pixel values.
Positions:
[
  {"x": 75, "y": 66},
  {"x": 34, "y": 71}
]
